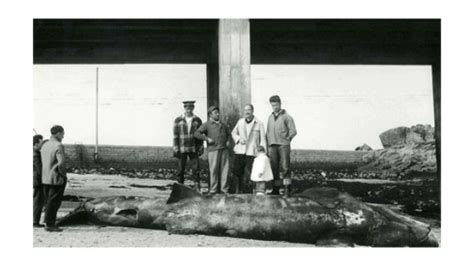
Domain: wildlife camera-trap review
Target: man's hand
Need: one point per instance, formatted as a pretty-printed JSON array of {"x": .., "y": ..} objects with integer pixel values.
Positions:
[
  {"x": 260, "y": 174},
  {"x": 210, "y": 141},
  {"x": 200, "y": 150},
  {"x": 242, "y": 140}
]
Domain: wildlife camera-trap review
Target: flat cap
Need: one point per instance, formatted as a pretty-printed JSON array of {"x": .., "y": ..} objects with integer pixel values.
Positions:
[
  {"x": 275, "y": 98},
  {"x": 189, "y": 103},
  {"x": 212, "y": 108}
]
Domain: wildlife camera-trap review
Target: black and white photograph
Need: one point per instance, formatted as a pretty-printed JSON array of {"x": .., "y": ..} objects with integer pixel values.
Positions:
[{"x": 236, "y": 132}]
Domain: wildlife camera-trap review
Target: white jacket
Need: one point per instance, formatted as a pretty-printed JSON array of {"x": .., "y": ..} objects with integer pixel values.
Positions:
[
  {"x": 254, "y": 138},
  {"x": 261, "y": 165}
]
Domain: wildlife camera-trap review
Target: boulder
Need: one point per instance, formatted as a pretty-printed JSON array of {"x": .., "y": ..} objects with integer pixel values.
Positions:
[
  {"x": 393, "y": 137},
  {"x": 404, "y": 135},
  {"x": 420, "y": 134},
  {"x": 363, "y": 147}
]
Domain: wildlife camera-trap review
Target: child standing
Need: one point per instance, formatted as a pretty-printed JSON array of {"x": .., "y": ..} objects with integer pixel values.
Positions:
[{"x": 261, "y": 171}]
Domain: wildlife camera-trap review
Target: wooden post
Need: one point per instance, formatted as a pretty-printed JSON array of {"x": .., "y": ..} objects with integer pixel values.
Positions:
[{"x": 96, "y": 153}]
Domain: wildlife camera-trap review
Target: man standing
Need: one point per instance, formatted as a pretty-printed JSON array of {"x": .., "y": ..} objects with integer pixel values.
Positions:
[
  {"x": 281, "y": 130},
  {"x": 38, "y": 198},
  {"x": 53, "y": 176},
  {"x": 216, "y": 134},
  {"x": 248, "y": 134},
  {"x": 185, "y": 145}
]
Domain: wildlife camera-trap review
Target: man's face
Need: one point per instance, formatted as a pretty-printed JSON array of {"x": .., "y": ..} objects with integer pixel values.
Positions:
[
  {"x": 276, "y": 106},
  {"x": 38, "y": 145},
  {"x": 248, "y": 112},
  {"x": 60, "y": 136},
  {"x": 188, "y": 109},
  {"x": 215, "y": 115}
]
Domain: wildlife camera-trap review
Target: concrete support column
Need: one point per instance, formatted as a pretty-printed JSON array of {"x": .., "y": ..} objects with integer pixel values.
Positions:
[
  {"x": 212, "y": 68},
  {"x": 234, "y": 68}
]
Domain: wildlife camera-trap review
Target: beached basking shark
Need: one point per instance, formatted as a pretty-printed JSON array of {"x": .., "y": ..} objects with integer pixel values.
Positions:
[{"x": 321, "y": 216}]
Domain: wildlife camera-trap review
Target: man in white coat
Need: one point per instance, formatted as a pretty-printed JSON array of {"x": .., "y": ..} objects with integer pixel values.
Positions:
[{"x": 248, "y": 134}]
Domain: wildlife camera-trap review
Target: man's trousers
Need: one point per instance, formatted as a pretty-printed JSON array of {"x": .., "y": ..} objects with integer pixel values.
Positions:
[
  {"x": 218, "y": 170},
  {"x": 38, "y": 202},
  {"x": 53, "y": 195},
  {"x": 280, "y": 162},
  {"x": 242, "y": 169},
  {"x": 194, "y": 160}
]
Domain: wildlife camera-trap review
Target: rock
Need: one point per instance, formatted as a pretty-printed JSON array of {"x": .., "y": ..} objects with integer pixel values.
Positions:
[
  {"x": 363, "y": 147},
  {"x": 414, "y": 137},
  {"x": 404, "y": 135},
  {"x": 420, "y": 134},
  {"x": 393, "y": 137},
  {"x": 369, "y": 157},
  {"x": 406, "y": 151},
  {"x": 406, "y": 159}
]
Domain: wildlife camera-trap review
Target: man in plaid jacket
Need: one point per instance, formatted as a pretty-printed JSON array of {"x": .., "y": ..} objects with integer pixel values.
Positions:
[{"x": 185, "y": 145}]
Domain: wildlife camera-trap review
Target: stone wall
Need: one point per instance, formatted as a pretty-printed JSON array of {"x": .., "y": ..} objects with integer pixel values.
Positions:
[{"x": 142, "y": 157}]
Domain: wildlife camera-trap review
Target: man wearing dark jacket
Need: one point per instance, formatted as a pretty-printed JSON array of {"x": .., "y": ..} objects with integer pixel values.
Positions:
[
  {"x": 281, "y": 130},
  {"x": 53, "y": 176},
  {"x": 38, "y": 198},
  {"x": 217, "y": 136}
]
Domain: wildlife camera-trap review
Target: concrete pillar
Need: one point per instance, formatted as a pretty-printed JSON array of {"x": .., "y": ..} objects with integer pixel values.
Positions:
[
  {"x": 212, "y": 68},
  {"x": 234, "y": 68},
  {"x": 212, "y": 84}
]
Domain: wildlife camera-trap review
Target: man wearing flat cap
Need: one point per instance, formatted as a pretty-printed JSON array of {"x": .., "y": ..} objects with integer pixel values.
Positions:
[
  {"x": 217, "y": 136},
  {"x": 185, "y": 145}
]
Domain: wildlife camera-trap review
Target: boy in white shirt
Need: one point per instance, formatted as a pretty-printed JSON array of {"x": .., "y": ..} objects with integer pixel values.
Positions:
[{"x": 261, "y": 171}]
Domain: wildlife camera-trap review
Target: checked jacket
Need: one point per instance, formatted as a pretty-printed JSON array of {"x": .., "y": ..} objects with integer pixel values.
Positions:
[{"x": 184, "y": 142}]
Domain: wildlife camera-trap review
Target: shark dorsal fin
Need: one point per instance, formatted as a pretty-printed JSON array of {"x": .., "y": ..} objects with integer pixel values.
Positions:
[{"x": 180, "y": 192}]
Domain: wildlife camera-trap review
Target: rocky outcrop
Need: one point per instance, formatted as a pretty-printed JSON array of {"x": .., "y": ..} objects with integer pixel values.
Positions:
[
  {"x": 406, "y": 151},
  {"x": 403, "y": 159},
  {"x": 405, "y": 135}
]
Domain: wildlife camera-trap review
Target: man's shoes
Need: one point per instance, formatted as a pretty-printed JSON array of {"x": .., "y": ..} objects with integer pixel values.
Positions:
[
  {"x": 38, "y": 225},
  {"x": 53, "y": 229}
]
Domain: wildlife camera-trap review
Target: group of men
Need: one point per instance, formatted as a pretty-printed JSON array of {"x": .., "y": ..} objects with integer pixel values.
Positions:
[
  {"x": 49, "y": 172},
  {"x": 49, "y": 178},
  {"x": 249, "y": 133}
]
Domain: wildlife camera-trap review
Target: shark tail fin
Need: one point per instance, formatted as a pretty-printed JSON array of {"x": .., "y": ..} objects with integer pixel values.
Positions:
[{"x": 180, "y": 192}]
